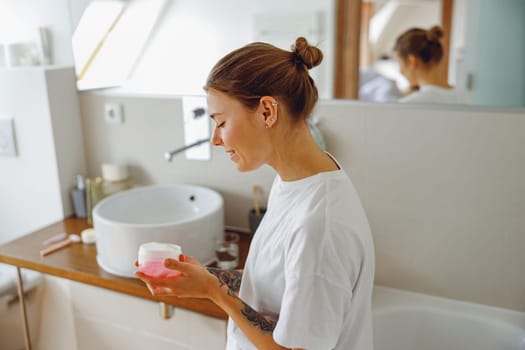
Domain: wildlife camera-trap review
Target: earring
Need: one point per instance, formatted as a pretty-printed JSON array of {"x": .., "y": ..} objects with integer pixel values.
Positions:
[{"x": 267, "y": 126}]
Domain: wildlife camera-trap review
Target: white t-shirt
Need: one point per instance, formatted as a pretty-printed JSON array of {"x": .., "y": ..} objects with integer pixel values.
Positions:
[
  {"x": 311, "y": 266},
  {"x": 435, "y": 94}
]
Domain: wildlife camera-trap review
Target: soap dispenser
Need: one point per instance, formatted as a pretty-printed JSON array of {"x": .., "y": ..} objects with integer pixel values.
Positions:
[{"x": 79, "y": 197}]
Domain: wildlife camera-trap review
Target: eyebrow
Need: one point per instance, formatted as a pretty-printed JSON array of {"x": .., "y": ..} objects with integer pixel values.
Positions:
[{"x": 213, "y": 115}]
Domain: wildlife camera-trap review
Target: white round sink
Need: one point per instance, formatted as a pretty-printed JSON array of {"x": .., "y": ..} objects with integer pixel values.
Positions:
[{"x": 187, "y": 215}]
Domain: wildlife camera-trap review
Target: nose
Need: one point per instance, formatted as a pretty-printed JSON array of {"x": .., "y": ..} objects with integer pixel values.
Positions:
[{"x": 215, "y": 138}]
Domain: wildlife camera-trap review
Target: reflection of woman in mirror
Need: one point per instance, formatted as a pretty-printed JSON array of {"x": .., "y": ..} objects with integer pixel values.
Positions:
[{"x": 419, "y": 53}]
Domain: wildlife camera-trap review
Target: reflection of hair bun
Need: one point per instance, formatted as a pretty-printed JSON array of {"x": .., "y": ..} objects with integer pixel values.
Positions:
[
  {"x": 422, "y": 43},
  {"x": 306, "y": 54},
  {"x": 435, "y": 33}
]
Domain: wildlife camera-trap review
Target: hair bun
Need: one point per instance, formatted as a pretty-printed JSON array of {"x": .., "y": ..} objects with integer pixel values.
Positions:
[
  {"x": 308, "y": 55},
  {"x": 435, "y": 33}
]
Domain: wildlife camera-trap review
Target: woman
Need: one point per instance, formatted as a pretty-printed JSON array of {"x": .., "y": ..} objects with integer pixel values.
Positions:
[
  {"x": 308, "y": 278},
  {"x": 419, "y": 53}
]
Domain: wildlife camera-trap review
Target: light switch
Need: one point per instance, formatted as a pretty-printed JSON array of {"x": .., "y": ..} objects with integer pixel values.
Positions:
[{"x": 7, "y": 137}]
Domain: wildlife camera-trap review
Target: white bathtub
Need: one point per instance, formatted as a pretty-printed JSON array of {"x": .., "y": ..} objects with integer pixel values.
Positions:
[{"x": 411, "y": 321}]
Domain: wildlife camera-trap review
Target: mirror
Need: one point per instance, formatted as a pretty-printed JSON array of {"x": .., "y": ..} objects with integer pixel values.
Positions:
[{"x": 173, "y": 48}]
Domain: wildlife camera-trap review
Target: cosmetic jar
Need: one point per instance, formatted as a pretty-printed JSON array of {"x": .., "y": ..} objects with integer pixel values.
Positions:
[{"x": 151, "y": 259}]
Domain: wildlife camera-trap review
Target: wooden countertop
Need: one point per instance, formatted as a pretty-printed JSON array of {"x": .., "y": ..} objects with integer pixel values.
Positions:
[{"x": 77, "y": 262}]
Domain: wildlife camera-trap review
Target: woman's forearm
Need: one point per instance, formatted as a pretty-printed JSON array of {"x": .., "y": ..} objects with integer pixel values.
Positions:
[
  {"x": 230, "y": 278},
  {"x": 257, "y": 328}
]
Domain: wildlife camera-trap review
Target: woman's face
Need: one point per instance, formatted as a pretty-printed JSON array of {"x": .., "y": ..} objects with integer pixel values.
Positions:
[{"x": 241, "y": 132}]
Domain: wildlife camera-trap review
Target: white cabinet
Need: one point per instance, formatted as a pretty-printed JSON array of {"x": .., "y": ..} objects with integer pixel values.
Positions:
[{"x": 109, "y": 320}]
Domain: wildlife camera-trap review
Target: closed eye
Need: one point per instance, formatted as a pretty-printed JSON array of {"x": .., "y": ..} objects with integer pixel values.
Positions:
[{"x": 220, "y": 125}]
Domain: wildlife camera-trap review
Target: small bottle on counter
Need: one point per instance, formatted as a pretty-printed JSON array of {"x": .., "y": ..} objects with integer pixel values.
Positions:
[
  {"x": 78, "y": 196},
  {"x": 93, "y": 195},
  {"x": 116, "y": 178}
]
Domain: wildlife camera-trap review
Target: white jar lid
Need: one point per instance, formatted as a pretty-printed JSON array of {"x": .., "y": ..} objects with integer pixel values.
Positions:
[
  {"x": 88, "y": 236},
  {"x": 157, "y": 251},
  {"x": 114, "y": 172}
]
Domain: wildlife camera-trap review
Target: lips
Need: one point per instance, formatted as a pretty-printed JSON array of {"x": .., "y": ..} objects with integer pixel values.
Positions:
[{"x": 231, "y": 153}]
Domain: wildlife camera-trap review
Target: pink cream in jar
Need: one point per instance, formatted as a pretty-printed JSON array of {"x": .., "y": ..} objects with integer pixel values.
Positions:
[{"x": 151, "y": 259}]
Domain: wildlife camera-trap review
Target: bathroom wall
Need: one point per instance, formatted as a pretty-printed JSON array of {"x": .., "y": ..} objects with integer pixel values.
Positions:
[
  {"x": 153, "y": 126},
  {"x": 35, "y": 184},
  {"x": 443, "y": 187}
]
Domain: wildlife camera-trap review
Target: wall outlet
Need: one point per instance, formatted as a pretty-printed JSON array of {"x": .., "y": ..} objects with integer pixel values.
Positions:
[
  {"x": 7, "y": 137},
  {"x": 113, "y": 113}
]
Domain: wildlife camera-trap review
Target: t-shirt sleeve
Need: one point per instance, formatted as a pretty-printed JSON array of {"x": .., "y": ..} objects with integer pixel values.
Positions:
[
  {"x": 317, "y": 288},
  {"x": 312, "y": 313}
]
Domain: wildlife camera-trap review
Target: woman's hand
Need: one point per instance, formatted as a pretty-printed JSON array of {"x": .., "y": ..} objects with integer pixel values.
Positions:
[
  {"x": 195, "y": 281},
  {"x": 189, "y": 259},
  {"x": 219, "y": 286}
]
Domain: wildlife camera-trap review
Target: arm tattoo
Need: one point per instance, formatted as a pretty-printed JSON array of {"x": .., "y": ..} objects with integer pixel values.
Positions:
[
  {"x": 230, "y": 278},
  {"x": 258, "y": 320}
]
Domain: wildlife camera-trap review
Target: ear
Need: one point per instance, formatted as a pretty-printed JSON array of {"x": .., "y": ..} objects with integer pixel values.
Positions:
[
  {"x": 413, "y": 61},
  {"x": 270, "y": 108}
]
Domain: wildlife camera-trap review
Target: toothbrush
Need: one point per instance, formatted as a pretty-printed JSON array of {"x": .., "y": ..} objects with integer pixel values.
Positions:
[
  {"x": 73, "y": 238},
  {"x": 56, "y": 238}
]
